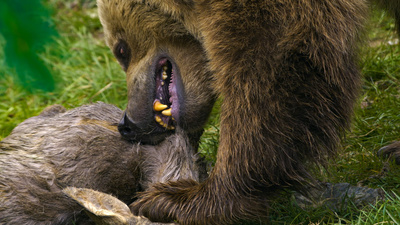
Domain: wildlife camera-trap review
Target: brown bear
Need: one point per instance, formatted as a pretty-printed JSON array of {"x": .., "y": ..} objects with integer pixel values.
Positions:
[
  {"x": 81, "y": 148},
  {"x": 286, "y": 72}
]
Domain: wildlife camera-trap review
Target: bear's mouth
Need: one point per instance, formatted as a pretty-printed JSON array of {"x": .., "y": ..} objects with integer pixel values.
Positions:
[
  {"x": 167, "y": 101},
  {"x": 168, "y": 94}
]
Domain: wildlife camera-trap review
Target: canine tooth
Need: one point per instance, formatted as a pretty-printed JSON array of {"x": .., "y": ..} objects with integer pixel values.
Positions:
[
  {"x": 167, "y": 112},
  {"x": 158, "y": 106},
  {"x": 158, "y": 119},
  {"x": 164, "y": 75}
]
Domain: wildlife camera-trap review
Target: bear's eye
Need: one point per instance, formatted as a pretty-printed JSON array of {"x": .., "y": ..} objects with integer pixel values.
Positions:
[{"x": 123, "y": 53}]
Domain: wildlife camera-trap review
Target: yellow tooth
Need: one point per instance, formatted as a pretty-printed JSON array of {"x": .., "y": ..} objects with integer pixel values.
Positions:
[
  {"x": 173, "y": 118},
  {"x": 167, "y": 112},
  {"x": 162, "y": 83},
  {"x": 164, "y": 125},
  {"x": 164, "y": 75},
  {"x": 165, "y": 68},
  {"x": 158, "y": 106},
  {"x": 171, "y": 128},
  {"x": 158, "y": 119}
]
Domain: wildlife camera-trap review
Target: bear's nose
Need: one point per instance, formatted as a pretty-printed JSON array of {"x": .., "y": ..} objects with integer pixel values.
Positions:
[{"x": 126, "y": 128}]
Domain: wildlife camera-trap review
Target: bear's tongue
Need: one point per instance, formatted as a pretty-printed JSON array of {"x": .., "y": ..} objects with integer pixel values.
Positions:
[{"x": 166, "y": 104}]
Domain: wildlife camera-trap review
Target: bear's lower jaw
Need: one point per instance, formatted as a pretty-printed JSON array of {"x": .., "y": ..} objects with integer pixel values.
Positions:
[{"x": 134, "y": 132}]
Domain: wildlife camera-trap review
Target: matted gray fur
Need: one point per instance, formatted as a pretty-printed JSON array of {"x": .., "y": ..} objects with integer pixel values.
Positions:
[{"x": 80, "y": 148}]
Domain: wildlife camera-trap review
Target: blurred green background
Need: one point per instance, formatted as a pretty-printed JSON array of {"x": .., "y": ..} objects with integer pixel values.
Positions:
[
  {"x": 64, "y": 60},
  {"x": 27, "y": 27}
]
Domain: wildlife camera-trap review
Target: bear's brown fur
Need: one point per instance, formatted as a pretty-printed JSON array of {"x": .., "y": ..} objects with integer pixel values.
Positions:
[
  {"x": 80, "y": 148},
  {"x": 288, "y": 76}
]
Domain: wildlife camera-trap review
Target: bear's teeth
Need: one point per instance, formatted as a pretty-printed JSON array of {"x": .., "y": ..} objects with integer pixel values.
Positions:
[
  {"x": 165, "y": 125},
  {"x": 159, "y": 121},
  {"x": 167, "y": 112},
  {"x": 157, "y": 106},
  {"x": 165, "y": 68},
  {"x": 164, "y": 75}
]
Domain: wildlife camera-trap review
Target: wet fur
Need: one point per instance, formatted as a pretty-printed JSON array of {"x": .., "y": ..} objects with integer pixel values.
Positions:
[{"x": 80, "y": 148}]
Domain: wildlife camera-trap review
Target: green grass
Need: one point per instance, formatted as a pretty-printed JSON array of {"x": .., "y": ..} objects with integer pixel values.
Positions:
[
  {"x": 84, "y": 68},
  {"x": 375, "y": 124},
  {"x": 377, "y": 116},
  {"x": 86, "y": 71}
]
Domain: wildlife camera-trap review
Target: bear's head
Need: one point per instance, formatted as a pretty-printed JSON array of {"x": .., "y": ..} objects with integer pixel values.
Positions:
[{"x": 169, "y": 83}]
